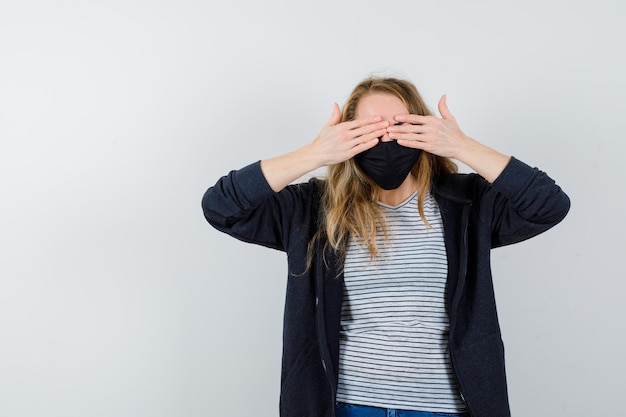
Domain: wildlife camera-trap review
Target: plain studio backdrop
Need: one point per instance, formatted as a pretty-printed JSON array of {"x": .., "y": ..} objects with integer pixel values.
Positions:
[{"x": 118, "y": 299}]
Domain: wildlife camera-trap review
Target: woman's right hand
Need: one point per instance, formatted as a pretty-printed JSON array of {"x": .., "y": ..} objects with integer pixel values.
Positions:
[{"x": 338, "y": 142}]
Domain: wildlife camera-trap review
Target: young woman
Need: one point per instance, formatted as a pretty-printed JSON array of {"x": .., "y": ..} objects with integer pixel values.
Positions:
[{"x": 390, "y": 306}]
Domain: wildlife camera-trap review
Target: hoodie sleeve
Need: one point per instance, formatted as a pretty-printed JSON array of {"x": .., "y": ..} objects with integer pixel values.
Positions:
[
  {"x": 526, "y": 202},
  {"x": 243, "y": 205}
]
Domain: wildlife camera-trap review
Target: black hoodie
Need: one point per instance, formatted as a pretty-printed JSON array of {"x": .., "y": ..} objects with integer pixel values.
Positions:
[{"x": 521, "y": 203}]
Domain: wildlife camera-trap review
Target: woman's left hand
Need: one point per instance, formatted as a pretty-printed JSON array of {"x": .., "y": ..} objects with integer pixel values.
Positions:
[
  {"x": 443, "y": 137},
  {"x": 439, "y": 136}
]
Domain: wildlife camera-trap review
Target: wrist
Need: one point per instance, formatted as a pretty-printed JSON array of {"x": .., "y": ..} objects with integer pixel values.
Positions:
[
  {"x": 307, "y": 158},
  {"x": 469, "y": 147},
  {"x": 485, "y": 161}
]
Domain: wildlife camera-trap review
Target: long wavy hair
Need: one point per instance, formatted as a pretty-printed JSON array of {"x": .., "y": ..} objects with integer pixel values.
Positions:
[{"x": 350, "y": 198}]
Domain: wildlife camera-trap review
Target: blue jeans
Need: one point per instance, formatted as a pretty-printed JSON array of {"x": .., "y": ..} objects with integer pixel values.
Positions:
[{"x": 352, "y": 410}]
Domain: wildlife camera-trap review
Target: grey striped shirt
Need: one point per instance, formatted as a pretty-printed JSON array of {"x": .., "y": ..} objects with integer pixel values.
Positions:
[{"x": 394, "y": 322}]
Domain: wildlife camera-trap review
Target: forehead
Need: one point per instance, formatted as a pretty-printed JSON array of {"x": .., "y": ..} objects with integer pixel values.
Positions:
[{"x": 380, "y": 104}]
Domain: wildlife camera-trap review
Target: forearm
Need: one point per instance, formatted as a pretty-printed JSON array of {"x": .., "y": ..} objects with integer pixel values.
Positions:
[
  {"x": 485, "y": 161},
  {"x": 283, "y": 170}
]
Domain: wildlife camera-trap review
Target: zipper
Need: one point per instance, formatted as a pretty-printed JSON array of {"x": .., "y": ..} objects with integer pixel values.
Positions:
[
  {"x": 457, "y": 296},
  {"x": 328, "y": 378},
  {"x": 321, "y": 336},
  {"x": 332, "y": 390}
]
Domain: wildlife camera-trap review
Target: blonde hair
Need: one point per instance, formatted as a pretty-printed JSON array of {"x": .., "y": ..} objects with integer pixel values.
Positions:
[{"x": 350, "y": 198}]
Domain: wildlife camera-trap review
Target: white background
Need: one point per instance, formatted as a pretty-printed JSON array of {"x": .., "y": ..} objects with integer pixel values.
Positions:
[{"x": 117, "y": 299}]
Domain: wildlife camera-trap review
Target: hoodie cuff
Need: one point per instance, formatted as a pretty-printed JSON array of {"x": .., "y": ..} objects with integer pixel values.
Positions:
[
  {"x": 252, "y": 183},
  {"x": 515, "y": 177}
]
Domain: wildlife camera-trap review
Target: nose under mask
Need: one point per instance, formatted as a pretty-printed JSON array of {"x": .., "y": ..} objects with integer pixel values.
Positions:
[{"x": 388, "y": 163}]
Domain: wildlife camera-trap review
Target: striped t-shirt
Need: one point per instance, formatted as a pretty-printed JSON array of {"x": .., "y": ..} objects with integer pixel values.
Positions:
[{"x": 394, "y": 322}]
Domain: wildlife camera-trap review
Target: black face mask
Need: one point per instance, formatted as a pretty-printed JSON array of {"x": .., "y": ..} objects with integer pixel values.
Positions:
[{"x": 388, "y": 163}]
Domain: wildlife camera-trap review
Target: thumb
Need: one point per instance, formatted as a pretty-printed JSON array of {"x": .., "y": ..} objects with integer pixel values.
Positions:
[
  {"x": 443, "y": 109},
  {"x": 335, "y": 117}
]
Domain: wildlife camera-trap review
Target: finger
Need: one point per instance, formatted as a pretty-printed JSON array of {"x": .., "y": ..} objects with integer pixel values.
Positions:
[
  {"x": 406, "y": 136},
  {"x": 367, "y": 136},
  {"x": 363, "y": 146},
  {"x": 443, "y": 109},
  {"x": 378, "y": 127},
  {"x": 412, "y": 144},
  {"x": 415, "y": 119},
  {"x": 358, "y": 123},
  {"x": 335, "y": 117},
  {"x": 408, "y": 128},
  {"x": 376, "y": 134}
]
